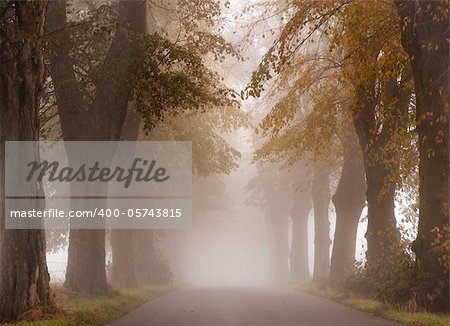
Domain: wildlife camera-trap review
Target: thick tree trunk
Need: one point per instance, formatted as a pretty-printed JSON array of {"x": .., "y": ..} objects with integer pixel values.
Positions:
[
  {"x": 86, "y": 261},
  {"x": 122, "y": 240},
  {"x": 379, "y": 156},
  {"x": 321, "y": 197},
  {"x": 425, "y": 37},
  {"x": 85, "y": 270},
  {"x": 24, "y": 278},
  {"x": 299, "y": 250},
  {"x": 349, "y": 201},
  {"x": 382, "y": 232},
  {"x": 123, "y": 258}
]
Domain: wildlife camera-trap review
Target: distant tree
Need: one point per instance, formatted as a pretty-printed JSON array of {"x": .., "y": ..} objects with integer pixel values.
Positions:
[
  {"x": 310, "y": 122},
  {"x": 271, "y": 190},
  {"x": 321, "y": 196},
  {"x": 300, "y": 210},
  {"x": 204, "y": 130},
  {"x": 359, "y": 55}
]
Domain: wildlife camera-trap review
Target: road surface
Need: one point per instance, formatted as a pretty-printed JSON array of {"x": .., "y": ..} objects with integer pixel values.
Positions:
[{"x": 246, "y": 306}]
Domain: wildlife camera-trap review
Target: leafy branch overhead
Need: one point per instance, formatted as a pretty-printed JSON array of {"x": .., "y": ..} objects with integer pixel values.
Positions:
[
  {"x": 173, "y": 78},
  {"x": 163, "y": 71},
  {"x": 319, "y": 59}
]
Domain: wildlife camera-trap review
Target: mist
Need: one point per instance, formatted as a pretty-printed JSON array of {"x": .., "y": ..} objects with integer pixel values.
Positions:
[{"x": 217, "y": 162}]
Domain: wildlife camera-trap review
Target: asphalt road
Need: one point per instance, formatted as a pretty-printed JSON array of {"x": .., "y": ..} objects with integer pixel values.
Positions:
[{"x": 246, "y": 306}]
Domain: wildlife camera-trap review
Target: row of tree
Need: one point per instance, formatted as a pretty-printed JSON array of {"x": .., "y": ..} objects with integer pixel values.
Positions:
[
  {"x": 98, "y": 71},
  {"x": 365, "y": 84}
]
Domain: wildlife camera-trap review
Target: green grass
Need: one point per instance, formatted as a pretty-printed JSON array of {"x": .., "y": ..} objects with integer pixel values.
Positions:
[
  {"x": 97, "y": 311},
  {"x": 379, "y": 308}
]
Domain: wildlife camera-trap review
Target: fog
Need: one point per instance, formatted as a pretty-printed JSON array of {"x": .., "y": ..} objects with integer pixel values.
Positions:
[
  {"x": 231, "y": 242},
  {"x": 233, "y": 237},
  {"x": 223, "y": 161}
]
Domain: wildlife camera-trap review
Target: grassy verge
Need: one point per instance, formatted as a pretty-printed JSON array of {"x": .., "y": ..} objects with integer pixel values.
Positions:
[
  {"x": 97, "y": 311},
  {"x": 379, "y": 308}
]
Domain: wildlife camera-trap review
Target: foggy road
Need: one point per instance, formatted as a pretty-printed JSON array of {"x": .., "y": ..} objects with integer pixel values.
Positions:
[{"x": 246, "y": 306}]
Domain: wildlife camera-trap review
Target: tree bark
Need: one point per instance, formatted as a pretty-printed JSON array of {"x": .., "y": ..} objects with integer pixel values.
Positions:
[
  {"x": 123, "y": 258},
  {"x": 349, "y": 201},
  {"x": 280, "y": 223},
  {"x": 86, "y": 261},
  {"x": 277, "y": 221},
  {"x": 123, "y": 268},
  {"x": 299, "y": 251},
  {"x": 379, "y": 156},
  {"x": 123, "y": 273},
  {"x": 321, "y": 197},
  {"x": 24, "y": 278},
  {"x": 381, "y": 232},
  {"x": 425, "y": 37},
  {"x": 86, "y": 264},
  {"x": 151, "y": 267}
]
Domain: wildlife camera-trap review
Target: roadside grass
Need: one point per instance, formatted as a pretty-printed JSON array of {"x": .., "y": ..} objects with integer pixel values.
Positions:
[
  {"x": 73, "y": 310},
  {"x": 378, "y": 308}
]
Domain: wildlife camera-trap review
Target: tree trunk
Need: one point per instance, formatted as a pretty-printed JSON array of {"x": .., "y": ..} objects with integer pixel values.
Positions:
[
  {"x": 299, "y": 250},
  {"x": 380, "y": 156},
  {"x": 24, "y": 278},
  {"x": 123, "y": 258},
  {"x": 280, "y": 225},
  {"x": 425, "y": 37},
  {"x": 381, "y": 225},
  {"x": 86, "y": 261},
  {"x": 279, "y": 203},
  {"x": 277, "y": 206},
  {"x": 321, "y": 201},
  {"x": 151, "y": 267},
  {"x": 123, "y": 273},
  {"x": 349, "y": 201}
]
